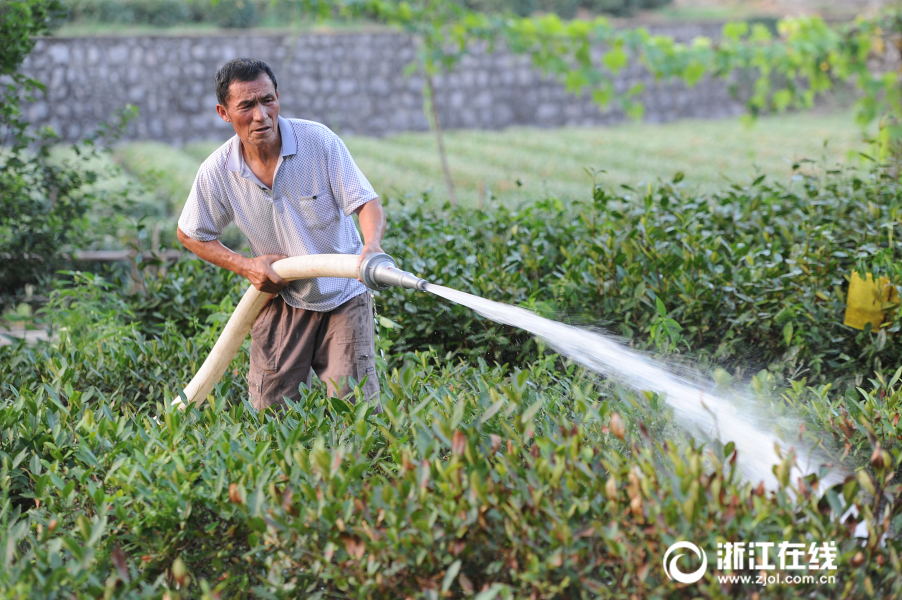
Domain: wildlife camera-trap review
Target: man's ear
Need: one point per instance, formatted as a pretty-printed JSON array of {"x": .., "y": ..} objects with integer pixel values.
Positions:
[{"x": 223, "y": 113}]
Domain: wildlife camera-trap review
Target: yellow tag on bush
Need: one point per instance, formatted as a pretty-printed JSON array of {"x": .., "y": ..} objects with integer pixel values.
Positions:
[{"x": 866, "y": 300}]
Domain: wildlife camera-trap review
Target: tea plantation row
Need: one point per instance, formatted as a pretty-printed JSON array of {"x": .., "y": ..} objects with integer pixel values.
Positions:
[{"x": 497, "y": 470}]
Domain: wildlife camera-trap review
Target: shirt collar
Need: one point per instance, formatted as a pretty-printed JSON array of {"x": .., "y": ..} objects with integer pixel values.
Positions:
[{"x": 289, "y": 146}]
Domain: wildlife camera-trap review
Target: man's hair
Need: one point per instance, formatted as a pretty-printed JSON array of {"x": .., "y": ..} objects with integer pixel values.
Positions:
[{"x": 240, "y": 69}]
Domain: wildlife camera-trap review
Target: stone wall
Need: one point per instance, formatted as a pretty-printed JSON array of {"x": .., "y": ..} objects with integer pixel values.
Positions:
[{"x": 353, "y": 82}]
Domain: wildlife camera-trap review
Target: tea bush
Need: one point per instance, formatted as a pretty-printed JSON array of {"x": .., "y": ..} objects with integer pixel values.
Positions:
[
  {"x": 497, "y": 470},
  {"x": 133, "y": 348},
  {"x": 755, "y": 274},
  {"x": 473, "y": 481}
]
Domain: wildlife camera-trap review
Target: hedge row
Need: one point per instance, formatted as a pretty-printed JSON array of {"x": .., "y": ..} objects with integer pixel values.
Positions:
[
  {"x": 253, "y": 13},
  {"x": 475, "y": 481},
  {"x": 755, "y": 274},
  {"x": 756, "y": 277},
  {"x": 496, "y": 470}
]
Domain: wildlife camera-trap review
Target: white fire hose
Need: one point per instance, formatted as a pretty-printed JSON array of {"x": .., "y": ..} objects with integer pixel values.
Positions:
[{"x": 378, "y": 272}]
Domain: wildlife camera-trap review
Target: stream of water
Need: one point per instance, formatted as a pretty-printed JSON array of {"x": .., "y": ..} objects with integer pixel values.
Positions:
[{"x": 695, "y": 406}]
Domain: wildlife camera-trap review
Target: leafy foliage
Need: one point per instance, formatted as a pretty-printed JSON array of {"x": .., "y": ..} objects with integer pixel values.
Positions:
[
  {"x": 474, "y": 479},
  {"x": 752, "y": 277},
  {"x": 43, "y": 201},
  {"x": 806, "y": 58},
  {"x": 530, "y": 480},
  {"x": 252, "y": 13},
  {"x": 736, "y": 269},
  {"x": 132, "y": 348},
  {"x": 170, "y": 13},
  {"x": 503, "y": 481}
]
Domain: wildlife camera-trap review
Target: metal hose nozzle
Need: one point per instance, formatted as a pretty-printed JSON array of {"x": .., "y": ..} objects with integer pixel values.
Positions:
[{"x": 380, "y": 272}]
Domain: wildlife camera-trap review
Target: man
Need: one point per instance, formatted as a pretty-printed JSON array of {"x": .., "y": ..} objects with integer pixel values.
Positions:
[{"x": 290, "y": 185}]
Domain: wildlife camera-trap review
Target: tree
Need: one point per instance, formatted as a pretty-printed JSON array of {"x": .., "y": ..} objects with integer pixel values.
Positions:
[
  {"x": 20, "y": 22},
  {"x": 806, "y": 57},
  {"x": 42, "y": 201}
]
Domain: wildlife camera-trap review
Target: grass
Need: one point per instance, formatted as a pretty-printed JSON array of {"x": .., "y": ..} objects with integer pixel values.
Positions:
[
  {"x": 524, "y": 163},
  {"x": 733, "y": 10},
  {"x": 712, "y": 12},
  {"x": 91, "y": 28},
  {"x": 556, "y": 161},
  {"x": 161, "y": 167}
]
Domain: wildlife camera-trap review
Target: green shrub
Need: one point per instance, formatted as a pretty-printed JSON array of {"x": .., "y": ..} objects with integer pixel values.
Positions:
[
  {"x": 252, "y": 13},
  {"x": 473, "y": 479},
  {"x": 42, "y": 210},
  {"x": 169, "y": 13},
  {"x": 564, "y": 8},
  {"x": 45, "y": 199},
  {"x": 34, "y": 217},
  {"x": 161, "y": 13},
  {"x": 508, "y": 480},
  {"x": 237, "y": 14},
  {"x": 623, "y": 8},
  {"x": 135, "y": 348},
  {"x": 756, "y": 274}
]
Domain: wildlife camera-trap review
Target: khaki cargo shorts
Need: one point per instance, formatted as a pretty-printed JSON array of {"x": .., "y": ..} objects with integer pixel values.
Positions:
[{"x": 288, "y": 344}]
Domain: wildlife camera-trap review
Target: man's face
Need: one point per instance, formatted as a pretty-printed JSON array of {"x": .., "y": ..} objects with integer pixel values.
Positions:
[{"x": 253, "y": 110}]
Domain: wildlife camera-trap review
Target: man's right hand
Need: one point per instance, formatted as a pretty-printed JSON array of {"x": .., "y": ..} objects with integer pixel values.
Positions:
[
  {"x": 260, "y": 273},
  {"x": 257, "y": 270}
]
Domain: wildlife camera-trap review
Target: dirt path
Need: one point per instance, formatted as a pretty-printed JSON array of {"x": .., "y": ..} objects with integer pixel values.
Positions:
[{"x": 32, "y": 336}]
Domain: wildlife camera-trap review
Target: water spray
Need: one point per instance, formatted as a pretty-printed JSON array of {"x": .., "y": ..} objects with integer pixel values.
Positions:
[{"x": 696, "y": 406}]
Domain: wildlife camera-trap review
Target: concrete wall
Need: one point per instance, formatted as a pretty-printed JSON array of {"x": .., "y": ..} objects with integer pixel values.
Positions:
[{"x": 353, "y": 82}]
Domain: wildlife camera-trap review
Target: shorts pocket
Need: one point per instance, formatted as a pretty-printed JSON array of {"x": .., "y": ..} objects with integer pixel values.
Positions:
[
  {"x": 264, "y": 317},
  {"x": 255, "y": 388},
  {"x": 266, "y": 339},
  {"x": 366, "y": 369}
]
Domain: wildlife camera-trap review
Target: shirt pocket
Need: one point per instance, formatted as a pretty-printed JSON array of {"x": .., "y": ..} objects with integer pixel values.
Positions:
[{"x": 317, "y": 211}]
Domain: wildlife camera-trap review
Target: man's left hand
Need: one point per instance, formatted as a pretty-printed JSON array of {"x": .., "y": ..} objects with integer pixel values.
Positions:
[
  {"x": 372, "y": 226},
  {"x": 371, "y": 248}
]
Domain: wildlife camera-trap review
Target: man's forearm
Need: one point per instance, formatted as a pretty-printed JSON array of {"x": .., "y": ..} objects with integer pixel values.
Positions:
[
  {"x": 214, "y": 252},
  {"x": 372, "y": 223},
  {"x": 256, "y": 270}
]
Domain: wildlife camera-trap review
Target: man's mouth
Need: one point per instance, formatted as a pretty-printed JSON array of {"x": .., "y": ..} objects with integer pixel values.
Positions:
[{"x": 262, "y": 130}]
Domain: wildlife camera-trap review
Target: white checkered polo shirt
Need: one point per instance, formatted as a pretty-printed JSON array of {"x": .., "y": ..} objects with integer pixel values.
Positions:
[{"x": 317, "y": 186}]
